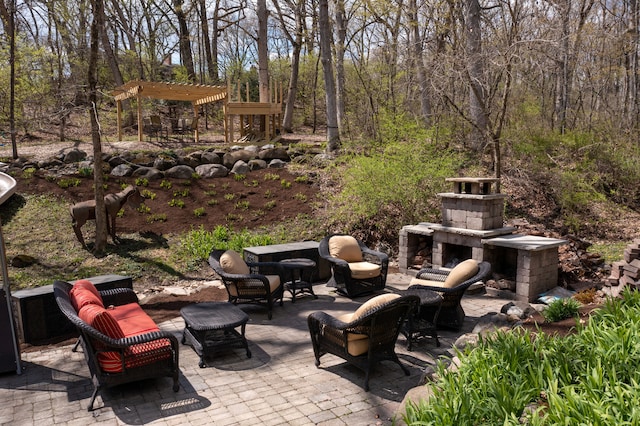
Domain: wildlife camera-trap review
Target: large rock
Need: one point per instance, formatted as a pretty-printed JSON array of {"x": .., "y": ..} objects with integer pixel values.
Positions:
[
  {"x": 122, "y": 170},
  {"x": 164, "y": 162},
  {"x": 212, "y": 170},
  {"x": 148, "y": 173},
  {"x": 210, "y": 158},
  {"x": 276, "y": 164},
  {"x": 274, "y": 154},
  {"x": 180, "y": 172},
  {"x": 257, "y": 164},
  {"x": 192, "y": 161},
  {"x": 240, "y": 168},
  {"x": 230, "y": 158},
  {"x": 73, "y": 155}
]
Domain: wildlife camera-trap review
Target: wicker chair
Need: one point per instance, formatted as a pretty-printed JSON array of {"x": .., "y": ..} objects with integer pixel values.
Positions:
[
  {"x": 451, "y": 285},
  {"x": 365, "y": 337},
  {"x": 144, "y": 356},
  {"x": 356, "y": 269},
  {"x": 245, "y": 286}
]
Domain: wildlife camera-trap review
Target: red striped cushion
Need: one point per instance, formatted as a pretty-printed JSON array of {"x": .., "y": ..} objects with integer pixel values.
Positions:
[
  {"x": 100, "y": 319},
  {"x": 84, "y": 293},
  {"x": 132, "y": 319}
]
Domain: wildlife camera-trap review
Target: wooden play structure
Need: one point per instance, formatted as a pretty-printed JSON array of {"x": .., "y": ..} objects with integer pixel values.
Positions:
[
  {"x": 246, "y": 111},
  {"x": 200, "y": 94},
  {"x": 197, "y": 94}
]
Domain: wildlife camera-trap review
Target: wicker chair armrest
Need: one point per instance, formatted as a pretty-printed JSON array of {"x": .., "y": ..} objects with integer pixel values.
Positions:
[
  {"x": 118, "y": 296},
  {"x": 456, "y": 289},
  {"x": 432, "y": 274},
  {"x": 338, "y": 262},
  {"x": 242, "y": 277},
  {"x": 260, "y": 265},
  {"x": 327, "y": 320},
  {"x": 381, "y": 257},
  {"x": 126, "y": 342}
]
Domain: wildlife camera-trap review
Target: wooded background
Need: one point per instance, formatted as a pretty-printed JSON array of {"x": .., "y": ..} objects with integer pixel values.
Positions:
[{"x": 487, "y": 71}]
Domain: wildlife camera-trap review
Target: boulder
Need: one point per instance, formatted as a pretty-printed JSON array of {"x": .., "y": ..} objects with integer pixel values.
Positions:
[
  {"x": 122, "y": 170},
  {"x": 276, "y": 164},
  {"x": 274, "y": 154},
  {"x": 240, "y": 168},
  {"x": 148, "y": 173},
  {"x": 212, "y": 170},
  {"x": 257, "y": 164},
  {"x": 164, "y": 163},
  {"x": 210, "y": 158},
  {"x": 180, "y": 172}
]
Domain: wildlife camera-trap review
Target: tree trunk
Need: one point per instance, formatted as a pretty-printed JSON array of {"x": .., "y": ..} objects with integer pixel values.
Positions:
[
  {"x": 206, "y": 41},
  {"x": 101, "y": 214},
  {"x": 423, "y": 90},
  {"x": 8, "y": 18},
  {"x": 475, "y": 72},
  {"x": 186, "y": 55},
  {"x": 333, "y": 136},
  {"x": 263, "y": 51},
  {"x": 341, "y": 32}
]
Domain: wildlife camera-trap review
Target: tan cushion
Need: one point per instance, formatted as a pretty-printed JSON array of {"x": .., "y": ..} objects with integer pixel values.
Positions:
[
  {"x": 232, "y": 263},
  {"x": 274, "y": 283},
  {"x": 418, "y": 281},
  {"x": 357, "y": 343},
  {"x": 345, "y": 247},
  {"x": 373, "y": 303},
  {"x": 462, "y": 272},
  {"x": 364, "y": 270}
]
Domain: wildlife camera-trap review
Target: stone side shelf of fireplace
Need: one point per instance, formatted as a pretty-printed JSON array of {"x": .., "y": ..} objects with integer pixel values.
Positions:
[{"x": 536, "y": 259}]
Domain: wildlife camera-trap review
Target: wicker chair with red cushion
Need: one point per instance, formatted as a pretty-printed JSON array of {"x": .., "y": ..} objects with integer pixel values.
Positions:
[{"x": 120, "y": 341}]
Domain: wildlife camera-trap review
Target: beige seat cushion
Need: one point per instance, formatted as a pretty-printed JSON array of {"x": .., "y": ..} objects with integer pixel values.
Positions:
[
  {"x": 462, "y": 272},
  {"x": 418, "y": 281},
  {"x": 232, "y": 263},
  {"x": 274, "y": 283},
  {"x": 364, "y": 270},
  {"x": 358, "y": 344},
  {"x": 345, "y": 247}
]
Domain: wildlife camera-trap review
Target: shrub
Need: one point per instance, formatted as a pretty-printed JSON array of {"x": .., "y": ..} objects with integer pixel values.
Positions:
[
  {"x": 166, "y": 184},
  {"x": 239, "y": 177},
  {"x": 176, "y": 203},
  {"x": 512, "y": 378},
  {"x": 199, "y": 212},
  {"x": 68, "y": 182},
  {"x": 28, "y": 172},
  {"x": 150, "y": 195},
  {"x": 157, "y": 217},
  {"x": 271, "y": 176},
  {"x": 285, "y": 184},
  {"x": 143, "y": 208},
  {"x": 198, "y": 243},
  {"x": 142, "y": 182},
  {"x": 561, "y": 309}
]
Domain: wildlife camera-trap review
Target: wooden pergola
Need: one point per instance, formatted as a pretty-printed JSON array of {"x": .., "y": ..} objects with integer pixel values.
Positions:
[{"x": 197, "y": 94}]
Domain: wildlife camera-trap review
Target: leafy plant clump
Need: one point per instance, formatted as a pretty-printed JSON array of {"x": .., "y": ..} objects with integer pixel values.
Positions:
[
  {"x": 511, "y": 378},
  {"x": 561, "y": 309}
]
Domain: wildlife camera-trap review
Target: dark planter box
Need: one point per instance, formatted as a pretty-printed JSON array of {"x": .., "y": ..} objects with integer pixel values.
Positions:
[
  {"x": 278, "y": 252},
  {"x": 38, "y": 318}
]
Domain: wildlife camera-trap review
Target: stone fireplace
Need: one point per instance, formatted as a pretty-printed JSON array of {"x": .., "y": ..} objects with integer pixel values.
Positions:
[{"x": 473, "y": 228}]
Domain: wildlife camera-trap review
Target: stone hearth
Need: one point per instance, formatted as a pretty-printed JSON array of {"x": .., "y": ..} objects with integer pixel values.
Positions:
[{"x": 473, "y": 228}]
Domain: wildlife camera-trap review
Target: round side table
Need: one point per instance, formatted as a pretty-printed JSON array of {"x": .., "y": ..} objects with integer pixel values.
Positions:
[{"x": 297, "y": 285}]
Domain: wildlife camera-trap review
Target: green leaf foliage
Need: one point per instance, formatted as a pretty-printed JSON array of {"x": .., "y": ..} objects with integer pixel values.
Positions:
[{"x": 510, "y": 378}]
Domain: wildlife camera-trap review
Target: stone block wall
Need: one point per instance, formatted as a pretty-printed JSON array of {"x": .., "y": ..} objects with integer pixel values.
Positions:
[
  {"x": 537, "y": 272},
  {"x": 478, "y": 213},
  {"x": 627, "y": 271}
]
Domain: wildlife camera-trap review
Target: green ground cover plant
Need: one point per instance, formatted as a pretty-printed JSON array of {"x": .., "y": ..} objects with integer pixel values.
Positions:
[
  {"x": 561, "y": 309},
  {"x": 517, "y": 377}
]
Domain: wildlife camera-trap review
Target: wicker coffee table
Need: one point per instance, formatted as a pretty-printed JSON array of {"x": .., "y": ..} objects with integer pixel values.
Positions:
[
  {"x": 418, "y": 325},
  {"x": 211, "y": 326}
]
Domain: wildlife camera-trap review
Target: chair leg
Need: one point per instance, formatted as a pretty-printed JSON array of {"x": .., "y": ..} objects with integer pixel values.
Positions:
[{"x": 93, "y": 398}]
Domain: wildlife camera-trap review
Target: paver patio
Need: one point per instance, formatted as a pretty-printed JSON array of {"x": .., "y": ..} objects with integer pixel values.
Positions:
[{"x": 279, "y": 384}]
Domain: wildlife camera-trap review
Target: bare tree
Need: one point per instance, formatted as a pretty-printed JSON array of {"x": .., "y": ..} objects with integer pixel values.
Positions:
[
  {"x": 333, "y": 135},
  {"x": 101, "y": 214}
]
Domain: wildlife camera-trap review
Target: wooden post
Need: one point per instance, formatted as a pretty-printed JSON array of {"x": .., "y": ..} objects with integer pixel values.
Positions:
[
  {"x": 119, "y": 119},
  {"x": 194, "y": 123},
  {"x": 140, "y": 124}
]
